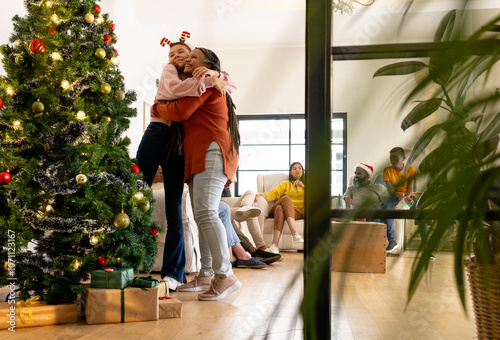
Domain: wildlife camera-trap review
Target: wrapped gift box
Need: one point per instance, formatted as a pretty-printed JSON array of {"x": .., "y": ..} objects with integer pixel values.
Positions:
[
  {"x": 35, "y": 314},
  {"x": 170, "y": 308},
  {"x": 116, "y": 279},
  {"x": 122, "y": 305}
]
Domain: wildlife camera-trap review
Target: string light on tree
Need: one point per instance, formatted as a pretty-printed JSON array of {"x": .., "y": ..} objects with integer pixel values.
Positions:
[
  {"x": 56, "y": 56},
  {"x": 65, "y": 85},
  {"x": 54, "y": 18},
  {"x": 81, "y": 115},
  {"x": 49, "y": 208},
  {"x": 93, "y": 240},
  {"x": 9, "y": 90},
  {"x": 100, "y": 20},
  {"x": 49, "y": 4},
  {"x": 16, "y": 124},
  {"x": 115, "y": 61}
]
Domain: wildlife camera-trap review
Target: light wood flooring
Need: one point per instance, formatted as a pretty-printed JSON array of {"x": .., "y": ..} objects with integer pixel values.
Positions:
[{"x": 364, "y": 306}]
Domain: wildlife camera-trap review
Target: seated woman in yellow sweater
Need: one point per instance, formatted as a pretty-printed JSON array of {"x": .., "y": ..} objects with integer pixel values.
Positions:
[{"x": 289, "y": 197}]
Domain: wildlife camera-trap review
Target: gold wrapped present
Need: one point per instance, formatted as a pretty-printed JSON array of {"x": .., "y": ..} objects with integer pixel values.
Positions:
[
  {"x": 31, "y": 313},
  {"x": 170, "y": 308},
  {"x": 122, "y": 305}
]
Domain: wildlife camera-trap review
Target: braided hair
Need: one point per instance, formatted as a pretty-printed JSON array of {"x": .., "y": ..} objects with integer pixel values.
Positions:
[{"x": 214, "y": 64}]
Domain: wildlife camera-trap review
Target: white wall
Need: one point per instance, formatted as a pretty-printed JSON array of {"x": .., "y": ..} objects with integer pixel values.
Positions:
[{"x": 261, "y": 44}]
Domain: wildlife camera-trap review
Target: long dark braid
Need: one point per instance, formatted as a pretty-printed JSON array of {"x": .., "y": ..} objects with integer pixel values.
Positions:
[{"x": 213, "y": 61}]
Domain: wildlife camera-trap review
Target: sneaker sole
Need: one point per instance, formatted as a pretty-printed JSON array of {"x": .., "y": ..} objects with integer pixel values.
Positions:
[
  {"x": 195, "y": 289},
  {"x": 393, "y": 249},
  {"x": 229, "y": 290},
  {"x": 255, "y": 266},
  {"x": 251, "y": 212}
]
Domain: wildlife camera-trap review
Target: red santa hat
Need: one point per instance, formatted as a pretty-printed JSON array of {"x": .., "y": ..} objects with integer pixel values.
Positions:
[{"x": 366, "y": 167}]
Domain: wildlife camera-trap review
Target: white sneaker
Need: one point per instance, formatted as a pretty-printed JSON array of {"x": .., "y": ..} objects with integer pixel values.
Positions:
[
  {"x": 273, "y": 249},
  {"x": 297, "y": 238},
  {"x": 247, "y": 212},
  {"x": 172, "y": 283}
]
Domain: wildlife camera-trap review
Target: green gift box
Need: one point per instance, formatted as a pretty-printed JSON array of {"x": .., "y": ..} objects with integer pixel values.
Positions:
[
  {"x": 116, "y": 279},
  {"x": 143, "y": 281}
]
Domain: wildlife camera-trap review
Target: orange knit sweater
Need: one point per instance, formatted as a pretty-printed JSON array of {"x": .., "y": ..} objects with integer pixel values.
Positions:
[{"x": 204, "y": 120}]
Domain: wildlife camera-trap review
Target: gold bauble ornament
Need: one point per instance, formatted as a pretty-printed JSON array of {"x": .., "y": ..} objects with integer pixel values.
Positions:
[
  {"x": 37, "y": 107},
  {"x": 144, "y": 206},
  {"x": 89, "y": 17},
  {"x": 93, "y": 240},
  {"x": 81, "y": 178},
  {"x": 100, "y": 53},
  {"x": 6, "y": 265},
  {"x": 119, "y": 95},
  {"x": 121, "y": 220},
  {"x": 105, "y": 88}
]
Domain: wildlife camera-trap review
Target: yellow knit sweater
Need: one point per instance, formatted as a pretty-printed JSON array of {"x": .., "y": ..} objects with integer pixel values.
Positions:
[{"x": 286, "y": 188}]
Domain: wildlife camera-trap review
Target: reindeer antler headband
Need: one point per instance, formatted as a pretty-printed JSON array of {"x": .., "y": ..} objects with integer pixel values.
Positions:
[{"x": 182, "y": 39}]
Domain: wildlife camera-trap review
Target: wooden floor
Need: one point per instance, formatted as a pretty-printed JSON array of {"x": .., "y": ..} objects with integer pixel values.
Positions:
[{"x": 364, "y": 306}]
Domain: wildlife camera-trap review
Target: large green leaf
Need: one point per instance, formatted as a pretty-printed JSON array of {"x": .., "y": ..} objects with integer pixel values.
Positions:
[
  {"x": 479, "y": 66},
  {"x": 423, "y": 142},
  {"x": 402, "y": 68},
  {"x": 421, "y": 111},
  {"x": 444, "y": 31}
]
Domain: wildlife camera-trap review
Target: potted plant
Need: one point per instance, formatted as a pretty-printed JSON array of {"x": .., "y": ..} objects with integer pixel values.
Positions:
[{"x": 461, "y": 165}]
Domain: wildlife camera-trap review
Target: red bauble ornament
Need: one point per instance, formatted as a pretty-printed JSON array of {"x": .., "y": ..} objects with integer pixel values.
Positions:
[
  {"x": 107, "y": 38},
  {"x": 52, "y": 31},
  {"x": 101, "y": 261},
  {"x": 123, "y": 78},
  {"x": 5, "y": 177},
  {"x": 1, "y": 103},
  {"x": 97, "y": 9},
  {"x": 37, "y": 46},
  {"x": 153, "y": 231},
  {"x": 115, "y": 51},
  {"x": 135, "y": 169},
  {"x": 111, "y": 27}
]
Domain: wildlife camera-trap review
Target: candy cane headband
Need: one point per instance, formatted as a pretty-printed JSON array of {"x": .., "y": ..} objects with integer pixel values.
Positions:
[{"x": 182, "y": 39}]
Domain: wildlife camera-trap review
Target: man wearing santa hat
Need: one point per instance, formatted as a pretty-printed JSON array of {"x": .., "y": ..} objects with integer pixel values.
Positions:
[{"x": 363, "y": 192}]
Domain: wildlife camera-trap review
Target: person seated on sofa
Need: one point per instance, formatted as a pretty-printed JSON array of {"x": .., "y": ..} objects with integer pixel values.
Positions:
[
  {"x": 289, "y": 205},
  {"x": 362, "y": 191},
  {"x": 246, "y": 210},
  {"x": 399, "y": 183}
]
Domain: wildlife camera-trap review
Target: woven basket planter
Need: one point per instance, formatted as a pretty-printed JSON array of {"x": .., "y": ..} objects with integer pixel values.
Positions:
[{"x": 485, "y": 300}]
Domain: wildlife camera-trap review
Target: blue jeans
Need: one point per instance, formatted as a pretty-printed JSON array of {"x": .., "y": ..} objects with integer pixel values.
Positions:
[
  {"x": 205, "y": 189},
  {"x": 225, "y": 217},
  {"x": 153, "y": 152},
  {"x": 390, "y": 203}
]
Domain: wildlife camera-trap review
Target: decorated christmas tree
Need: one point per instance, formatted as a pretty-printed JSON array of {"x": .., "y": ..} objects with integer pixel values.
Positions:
[{"x": 67, "y": 183}]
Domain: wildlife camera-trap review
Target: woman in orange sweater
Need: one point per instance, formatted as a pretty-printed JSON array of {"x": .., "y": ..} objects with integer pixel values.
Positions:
[{"x": 211, "y": 144}]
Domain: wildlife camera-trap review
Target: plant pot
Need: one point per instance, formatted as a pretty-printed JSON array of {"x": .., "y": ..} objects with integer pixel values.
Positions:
[{"x": 485, "y": 299}]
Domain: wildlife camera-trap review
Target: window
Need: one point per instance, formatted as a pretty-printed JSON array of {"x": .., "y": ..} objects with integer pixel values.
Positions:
[{"x": 270, "y": 143}]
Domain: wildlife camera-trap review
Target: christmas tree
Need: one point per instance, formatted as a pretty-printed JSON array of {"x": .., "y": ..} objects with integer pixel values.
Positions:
[{"x": 67, "y": 183}]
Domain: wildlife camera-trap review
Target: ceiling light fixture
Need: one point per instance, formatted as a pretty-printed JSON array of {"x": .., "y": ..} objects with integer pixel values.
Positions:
[{"x": 346, "y": 6}]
